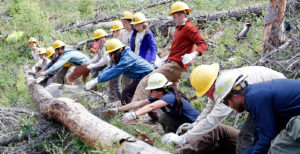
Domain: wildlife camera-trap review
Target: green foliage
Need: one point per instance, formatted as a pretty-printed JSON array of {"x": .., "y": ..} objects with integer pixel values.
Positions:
[
  {"x": 85, "y": 7},
  {"x": 27, "y": 126}
]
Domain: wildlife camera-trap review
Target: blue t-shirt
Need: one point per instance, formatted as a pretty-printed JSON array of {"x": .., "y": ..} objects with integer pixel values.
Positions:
[{"x": 188, "y": 113}]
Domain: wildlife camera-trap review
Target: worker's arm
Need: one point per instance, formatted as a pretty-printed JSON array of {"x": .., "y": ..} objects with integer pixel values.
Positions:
[
  {"x": 150, "y": 107},
  {"x": 214, "y": 118},
  {"x": 59, "y": 63},
  {"x": 134, "y": 105}
]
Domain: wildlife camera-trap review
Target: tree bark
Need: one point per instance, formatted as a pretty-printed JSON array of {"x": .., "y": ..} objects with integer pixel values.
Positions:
[
  {"x": 81, "y": 122},
  {"x": 272, "y": 28}
]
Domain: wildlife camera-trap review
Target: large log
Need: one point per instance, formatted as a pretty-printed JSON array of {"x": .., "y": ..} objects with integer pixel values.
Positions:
[
  {"x": 81, "y": 122},
  {"x": 275, "y": 11}
]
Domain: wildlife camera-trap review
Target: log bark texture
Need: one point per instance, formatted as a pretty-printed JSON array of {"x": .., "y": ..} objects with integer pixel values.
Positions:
[
  {"x": 81, "y": 122},
  {"x": 275, "y": 11}
]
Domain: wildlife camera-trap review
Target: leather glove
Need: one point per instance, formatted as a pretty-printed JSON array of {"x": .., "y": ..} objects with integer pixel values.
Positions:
[
  {"x": 127, "y": 117},
  {"x": 90, "y": 66},
  {"x": 91, "y": 84},
  {"x": 173, "y": 138},
  {"x": 110, "y": 112},
  {"x": 185, "y": 127},
  {"x": 188, "y": 57}
]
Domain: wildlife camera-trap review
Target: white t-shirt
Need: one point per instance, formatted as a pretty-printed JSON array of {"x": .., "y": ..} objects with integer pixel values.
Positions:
[
  {"x": 138, "y": 40},
  {"x": 126, "y": 36}
]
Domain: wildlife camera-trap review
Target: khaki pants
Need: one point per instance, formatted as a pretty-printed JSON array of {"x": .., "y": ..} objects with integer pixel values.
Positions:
[
  {"x": 288, "y": 140},
  {"x": 171, "y": 70},
  {"x": 222, "y": 139}
]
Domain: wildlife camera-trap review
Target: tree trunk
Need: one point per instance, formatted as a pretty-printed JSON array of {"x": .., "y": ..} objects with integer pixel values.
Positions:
[
  {"x": 81, "y": 122},
  {"x": 273, "y": 19}
]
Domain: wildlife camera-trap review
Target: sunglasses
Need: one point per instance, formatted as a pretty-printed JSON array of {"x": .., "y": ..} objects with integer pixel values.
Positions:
[{"x": 57, "y": 49}]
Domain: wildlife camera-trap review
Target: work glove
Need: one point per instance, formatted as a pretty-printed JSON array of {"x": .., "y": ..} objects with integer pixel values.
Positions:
[
  {"x": 91, "y": 84},
  {"x": 43, "y": 73},
  {"x": 127, "y": 117},
  {"x": 188, "y": 57},
  {"x": 185, "y": 127},
  {"x": 110, "y": 112},
  {"x": 90, "y": 66},
  {"x": 173, "y": 138}
]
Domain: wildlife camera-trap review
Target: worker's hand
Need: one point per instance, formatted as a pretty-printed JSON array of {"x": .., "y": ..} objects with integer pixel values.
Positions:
[
  {"x": 185, "y": 127},
  {"x": 110, "y": 112},
  {"x": 173, "y": 138},
  {"x": 90, "y": 66},
  {"x": 91, "y": 84},
  {"x": 127, "y": 117},
  {"x": 188, "y": 57},
  {"x": 43, "y": 73}
]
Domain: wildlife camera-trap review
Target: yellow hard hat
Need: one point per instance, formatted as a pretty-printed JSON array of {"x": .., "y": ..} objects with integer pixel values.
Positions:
[
  {"x": 49, "y": 51},
  {"x": 98, "y": 33},
  {"x": 41, "y": 51},
  {"x": 138, "y": 18},
  {"x": 113, "y": 45},
  {"x": 116, "y": 25},
  {"x": 32, "y": 40},
  {"x": 58, "y": 44},
  {"x": 179, "y": 6},
  {"x": 127, "y": 15},
  {"x": 203, "y": 77}
]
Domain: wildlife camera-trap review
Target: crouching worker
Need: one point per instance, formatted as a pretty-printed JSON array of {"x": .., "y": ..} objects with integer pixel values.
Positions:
[
  {"x": 75, "y": 57},
  {"x": 124, "y": 61},
  {"x": 175, "y": 106},
  {"x": 274, "y": 107}
]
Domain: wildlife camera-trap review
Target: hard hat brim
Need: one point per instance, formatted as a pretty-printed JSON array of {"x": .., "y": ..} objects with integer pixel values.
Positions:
[
  {"x": 134, "y": 23},
  {"x": 157, "y": 87},
  {"x": 188, "y": 10},
  {"x": 116, "y": 29}
]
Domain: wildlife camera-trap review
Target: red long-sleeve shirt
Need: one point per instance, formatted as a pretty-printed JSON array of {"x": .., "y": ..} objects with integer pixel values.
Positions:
[{"x": 183, "y": 42}]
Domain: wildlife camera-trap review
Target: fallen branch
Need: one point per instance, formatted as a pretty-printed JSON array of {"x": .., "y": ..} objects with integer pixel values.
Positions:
[
  {"x": 161, "y": 21},
  {"x": 81, "y": 122},
  {"x": 98, "y": 18}
]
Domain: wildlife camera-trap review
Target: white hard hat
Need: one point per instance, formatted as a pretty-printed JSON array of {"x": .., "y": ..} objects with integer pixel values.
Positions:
[
  {"x": 225, "y": 83},
  {"x": 156, "y": 81}
]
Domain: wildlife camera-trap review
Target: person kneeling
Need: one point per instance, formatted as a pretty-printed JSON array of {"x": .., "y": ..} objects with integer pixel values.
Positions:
[{"x": 175, "y": 106}]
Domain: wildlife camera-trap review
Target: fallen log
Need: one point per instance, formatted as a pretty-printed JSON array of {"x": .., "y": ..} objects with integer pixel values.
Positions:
[
  {"x": 82, "y": 123},
  {"x": 165, "y": 22},
  {"x": 98, "y": 18}
]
